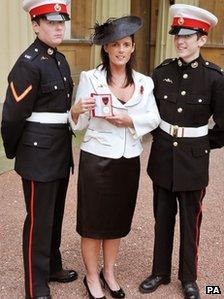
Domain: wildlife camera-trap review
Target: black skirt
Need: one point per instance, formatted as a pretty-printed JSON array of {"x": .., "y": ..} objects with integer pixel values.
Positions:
[{"x": 107, "y": 191}]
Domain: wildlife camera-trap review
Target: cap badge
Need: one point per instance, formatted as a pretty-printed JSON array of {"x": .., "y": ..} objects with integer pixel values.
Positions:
[
  {"x": 50, "y": 51},
  {"x": 180, "y": 21},
  {"x": 194, "y": 65},
  {"x": 57, "y": 7},
  {"x": 168, "y": 80}
]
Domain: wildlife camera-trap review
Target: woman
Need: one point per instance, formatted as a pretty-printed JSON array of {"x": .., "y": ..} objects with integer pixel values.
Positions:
[{"x": 109, "y": 160}]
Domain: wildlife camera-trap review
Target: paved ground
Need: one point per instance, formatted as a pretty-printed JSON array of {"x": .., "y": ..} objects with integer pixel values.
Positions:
[{"x": 134, "y": 262}]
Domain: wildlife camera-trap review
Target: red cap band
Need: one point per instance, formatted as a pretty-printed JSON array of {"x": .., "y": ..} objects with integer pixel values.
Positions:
[
  {"x": 48, "y": 8},
  {"x": 191, "y": 23}
]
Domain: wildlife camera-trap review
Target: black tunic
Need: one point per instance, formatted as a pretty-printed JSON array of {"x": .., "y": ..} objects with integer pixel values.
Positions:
[{"x": 187, "y": 95}]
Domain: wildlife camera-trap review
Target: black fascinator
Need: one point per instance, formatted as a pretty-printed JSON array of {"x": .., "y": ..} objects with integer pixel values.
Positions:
[{"x": 114, "y": 29}]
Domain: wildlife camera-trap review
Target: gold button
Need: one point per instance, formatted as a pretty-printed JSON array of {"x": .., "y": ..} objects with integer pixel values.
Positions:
[
  {"x": 59, "y": 62},
  {"x": 206, "y": 151},
  {"x": 55, "y": 87},
  {"x": 185, "y": 76},
  {"x": 180, "y": 110},
  {"x": 200, "y": 100},
  {"x": 65, "y": 79},
  {"x": 36, "y": 50},
  {"x": 35, "y": 143},
  {"x": 183, "y": 92},
  {"x": 175, "y": 143},
  {"x": 207, "y": 63},
  {"x": 165, "y": 97},
  {"x": 68, "y": 95}
]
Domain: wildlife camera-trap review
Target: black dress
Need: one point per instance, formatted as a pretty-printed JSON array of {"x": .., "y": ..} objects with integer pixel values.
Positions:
[{"x": 107, "y": 191}]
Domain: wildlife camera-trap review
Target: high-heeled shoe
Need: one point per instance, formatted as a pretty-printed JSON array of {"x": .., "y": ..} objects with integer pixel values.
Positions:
[
  {"x": 115, "y": 294},
  {"x": 88, "y": 290}
]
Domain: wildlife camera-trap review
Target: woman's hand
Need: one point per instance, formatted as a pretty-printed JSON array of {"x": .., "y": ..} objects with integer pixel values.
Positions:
[
  {"x": 120, "y": 120},
  {"x": 82, "y": 106}
]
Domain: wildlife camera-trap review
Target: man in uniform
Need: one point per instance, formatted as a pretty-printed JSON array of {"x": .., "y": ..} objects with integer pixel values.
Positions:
[
  {"x": 35, "y": 131},
  {"x": 188, "y": 91}
]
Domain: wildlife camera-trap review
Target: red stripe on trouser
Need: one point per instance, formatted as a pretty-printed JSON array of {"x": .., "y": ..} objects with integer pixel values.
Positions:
[
  {"x": 197, "y": 229},
  {"x": 31, "y": 239}
]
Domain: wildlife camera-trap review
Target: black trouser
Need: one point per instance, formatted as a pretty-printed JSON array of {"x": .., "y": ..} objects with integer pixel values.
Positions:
[
  {"x": 42, "y": 233},
  {"x": 165, "y": 210}
]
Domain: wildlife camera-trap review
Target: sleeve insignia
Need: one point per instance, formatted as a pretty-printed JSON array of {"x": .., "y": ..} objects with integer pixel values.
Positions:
[{"x": 20, "y": 97}]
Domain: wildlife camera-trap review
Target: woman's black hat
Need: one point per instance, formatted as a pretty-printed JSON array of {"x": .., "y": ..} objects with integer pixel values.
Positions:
[{"x": 114, "y": 29}]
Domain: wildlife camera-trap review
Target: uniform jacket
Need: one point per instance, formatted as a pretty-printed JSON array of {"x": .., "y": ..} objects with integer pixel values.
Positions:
[
  {"x": 40, "y": 81},
  {"x": 106, "y": 140},
  {"x": 187, "y": 95}
]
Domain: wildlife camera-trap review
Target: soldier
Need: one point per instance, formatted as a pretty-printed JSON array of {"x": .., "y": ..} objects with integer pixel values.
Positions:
[
  {"x": 35, "y": 131},
  {"x": 188, "y": 90}
]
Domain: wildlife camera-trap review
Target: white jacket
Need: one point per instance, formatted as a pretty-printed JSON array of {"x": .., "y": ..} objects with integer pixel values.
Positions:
[{"x": 101, "y": 137}]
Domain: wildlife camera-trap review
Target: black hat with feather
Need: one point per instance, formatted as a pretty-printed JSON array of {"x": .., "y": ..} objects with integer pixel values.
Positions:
[{"x": 114, "y": 29}]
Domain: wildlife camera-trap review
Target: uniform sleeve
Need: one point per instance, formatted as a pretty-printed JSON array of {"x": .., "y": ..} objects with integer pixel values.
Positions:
[
  {"x": 21, "y": 93},
  {"x": 148, "y": 118},
  {"x": 216, "y": 134},
  {"x": 84, "y": 90}
]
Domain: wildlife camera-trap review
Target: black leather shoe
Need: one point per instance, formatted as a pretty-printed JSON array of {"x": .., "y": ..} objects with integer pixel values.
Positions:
[
  {"x": 115, "y": 294},
  {"x": 191, "y": 290},
  {"x": 88, "y": 290},
  {"x": 151, "y": 283},
  {"x": 64, "y": 276}
]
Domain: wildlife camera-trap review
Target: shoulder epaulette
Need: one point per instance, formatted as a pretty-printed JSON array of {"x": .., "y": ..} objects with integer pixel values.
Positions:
[
  {"x": 214, "y": 67},
  {"x": 166, "y": 62},
  {"x": 29, "y": 54}
]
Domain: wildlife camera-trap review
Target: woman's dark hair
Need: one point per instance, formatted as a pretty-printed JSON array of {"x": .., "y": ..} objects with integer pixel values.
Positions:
[{"x": 129, "y": 66}]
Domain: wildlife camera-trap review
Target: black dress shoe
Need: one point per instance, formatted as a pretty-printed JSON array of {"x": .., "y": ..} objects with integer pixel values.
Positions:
[
  {"x": 115, "y": 294},
  {"x": 151, "y": 283},
  {"x": 88, "y": 290},
  {"x": 64, "y": 276},
  {"x": 191, "y": 290}
]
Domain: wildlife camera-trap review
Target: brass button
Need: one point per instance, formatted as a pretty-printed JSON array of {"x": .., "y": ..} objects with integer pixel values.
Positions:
[
  {"x": 200, "y": 100},
  {"x": 65, "y": 79},
  {"x": 55, "y": 87},
  {"x": 207, "y": 63},
  {"x": 35, "y": 143},
  {"x": 185, "y": 76},
  {"x": 183, "y": 92},
  {"x": 165, "y": 97},
  {"x": 175, "y": 143},
  {"x": 59, "y": 63},
  {"x": 68, "y": 95},
  {"x": 180, "y": 110},
  {"x": 36, "y": 50},
  {"x": 206, "y": 151}
]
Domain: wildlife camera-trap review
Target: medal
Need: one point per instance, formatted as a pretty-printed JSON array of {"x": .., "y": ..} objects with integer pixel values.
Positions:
[{"x": 106, "y": 109}]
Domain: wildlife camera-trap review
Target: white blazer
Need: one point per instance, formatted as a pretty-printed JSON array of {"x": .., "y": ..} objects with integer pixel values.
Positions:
[{"x": 101, "y": 137}]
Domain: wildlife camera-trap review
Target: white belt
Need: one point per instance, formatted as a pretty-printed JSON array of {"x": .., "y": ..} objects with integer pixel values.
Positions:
[
  {"x": 177, "y": 131},
  {"x": 48, "y": 117}
]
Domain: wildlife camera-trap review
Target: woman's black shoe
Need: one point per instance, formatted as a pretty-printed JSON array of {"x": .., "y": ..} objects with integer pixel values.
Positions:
[
  {"x": 115, "y": 294},
  {"x": 88, "y": 290}
]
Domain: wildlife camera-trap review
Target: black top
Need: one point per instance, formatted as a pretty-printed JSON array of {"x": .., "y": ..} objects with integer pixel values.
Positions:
[{"x": 40, "y": 81}]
